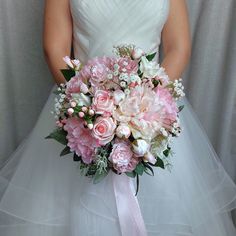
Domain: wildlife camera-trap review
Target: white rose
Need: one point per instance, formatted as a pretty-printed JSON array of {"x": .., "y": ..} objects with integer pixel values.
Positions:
[
  {"x": 118, "y": 95},
  {"x": 140, "y": 147},
  {"x": 81, "y": 99},
  {"x": 123, "y": 131},
  {"x": 149, "y": 68}
]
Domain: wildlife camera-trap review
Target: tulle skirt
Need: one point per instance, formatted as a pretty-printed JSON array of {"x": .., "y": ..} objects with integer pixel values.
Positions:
[{"x": 43, "y": 194}]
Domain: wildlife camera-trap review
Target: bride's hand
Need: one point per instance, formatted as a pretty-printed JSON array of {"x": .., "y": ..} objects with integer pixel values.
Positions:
[
  {"x": 57, "y": 37},
  {"x": 176, "y": 40}
]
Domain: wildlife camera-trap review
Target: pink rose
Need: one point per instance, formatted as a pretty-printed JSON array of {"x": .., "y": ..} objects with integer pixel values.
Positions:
[
  {"x": 122, "y": 157},
  {"x": 80, "y": 139},
  {"x": 103, "y": 130},
  {"x": 103, "y": 103}
]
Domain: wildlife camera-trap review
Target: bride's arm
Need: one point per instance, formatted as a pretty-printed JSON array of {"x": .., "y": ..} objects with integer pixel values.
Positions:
[
  {"x": 176, "y": 39},
  {"x": 57, "y": 37}
]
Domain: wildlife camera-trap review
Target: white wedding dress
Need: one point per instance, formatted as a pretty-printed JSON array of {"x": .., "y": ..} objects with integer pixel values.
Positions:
[{"x": 42, "y": 194}]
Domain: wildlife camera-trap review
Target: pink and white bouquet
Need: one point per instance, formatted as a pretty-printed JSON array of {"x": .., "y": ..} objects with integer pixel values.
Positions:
[{"x": 117, "y": 113}]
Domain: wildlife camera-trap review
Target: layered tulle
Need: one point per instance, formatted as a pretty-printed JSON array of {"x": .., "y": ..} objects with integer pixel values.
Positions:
[{"x": 43, "y": 194}]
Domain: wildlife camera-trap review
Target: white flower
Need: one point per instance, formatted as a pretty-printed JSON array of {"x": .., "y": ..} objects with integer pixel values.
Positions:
[
  {"x": 123, "y": 84},
  {"x": 116, "y": 66},
  {"x": 137, "y": 53},
  {"x": 149, "y": 68},
  {"x": 140, "y": 147},
  {"x": 81, "y": 99},
  {"x": 109, "y": 76},
  {"x": 123, "y": 131}
]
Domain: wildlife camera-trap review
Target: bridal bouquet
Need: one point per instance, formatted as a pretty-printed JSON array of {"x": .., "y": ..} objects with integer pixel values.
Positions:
[{"x": 117, "y": 113}]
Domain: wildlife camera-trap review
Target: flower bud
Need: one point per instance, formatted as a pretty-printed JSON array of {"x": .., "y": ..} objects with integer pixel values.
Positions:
[
  {"x": 90, "y": 126},
  {"x": 73, "y": 104},
  {"x": 148, "y": 157},
  {"x": 84, "y": 109},
  {"x": 70, "y": 111},
  {"x": 81, "y": 114},
  {"x": 123, "y": 131},
  {"x": 137, "y": 53},
  {"x": 91, "y": 112}
]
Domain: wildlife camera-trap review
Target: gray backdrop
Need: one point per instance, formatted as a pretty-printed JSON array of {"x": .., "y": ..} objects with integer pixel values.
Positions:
[{"x": 210, "y": 79}]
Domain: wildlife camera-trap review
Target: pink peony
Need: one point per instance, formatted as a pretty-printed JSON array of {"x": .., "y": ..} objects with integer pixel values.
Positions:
[
  {"x": 122, "y": 157},
  {"x": 169, "y": 106},
  {"x": 102, "y": 102},
  {"x": 80, "y": 139},
  {"x": 103, "y": 130},
  {"x": 76, "y": 85},
  {"x": 97, "y": 70}
]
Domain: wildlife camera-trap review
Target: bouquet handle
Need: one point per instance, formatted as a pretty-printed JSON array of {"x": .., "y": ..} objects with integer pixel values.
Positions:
[{"x": 129, "y": 213}]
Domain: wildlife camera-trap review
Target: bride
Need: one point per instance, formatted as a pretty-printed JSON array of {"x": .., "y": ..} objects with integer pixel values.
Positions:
[{"x": 42, "y": 194}]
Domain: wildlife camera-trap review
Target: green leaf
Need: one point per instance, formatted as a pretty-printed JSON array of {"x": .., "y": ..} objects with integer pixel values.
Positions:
[
  {"x": 155, "y": 82},
  {"x": 167, "y": 152},
  {"x": 65, "y": 151},
  {"x": 148, "y": 170},
  {"x": 98, "y": 177},
  {"x": 59, "y": 135},
  {"x": 68, "y": 73},
  {"x": 137, "y": 185},
  {"x": 76, "y": 157},
  {"x": 131, "y": 174},
  {"x": 160, "y": 163},
  {"x": 181, "y": 108},
  {"x": 151, "y": 56},
  {"x": 139, "y": 169}
]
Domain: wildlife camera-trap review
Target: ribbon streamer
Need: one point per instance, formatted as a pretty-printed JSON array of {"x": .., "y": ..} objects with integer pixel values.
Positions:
[{"x": 129, "y": 213}]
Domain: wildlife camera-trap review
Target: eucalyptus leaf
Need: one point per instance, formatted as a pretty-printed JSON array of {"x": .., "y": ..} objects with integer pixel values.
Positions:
[
  {"x": 59, "y": 135},
  {"x": 56, "y": 92},
  {"x": 68, "y": 73}
]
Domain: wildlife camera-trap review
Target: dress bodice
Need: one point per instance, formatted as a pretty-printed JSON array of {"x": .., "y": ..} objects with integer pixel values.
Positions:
[{"x": 100, "y": 24}]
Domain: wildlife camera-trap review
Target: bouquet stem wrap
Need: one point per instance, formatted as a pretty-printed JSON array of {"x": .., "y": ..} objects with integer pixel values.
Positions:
[{"x": 129, "y": 213}]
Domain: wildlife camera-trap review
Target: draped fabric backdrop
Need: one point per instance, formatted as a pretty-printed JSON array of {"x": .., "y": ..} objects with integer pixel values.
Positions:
[{"x": 210, "y": 78}]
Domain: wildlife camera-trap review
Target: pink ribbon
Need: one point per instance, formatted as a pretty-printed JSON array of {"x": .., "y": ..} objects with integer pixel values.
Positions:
[{"x": 129, "y": 213}]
